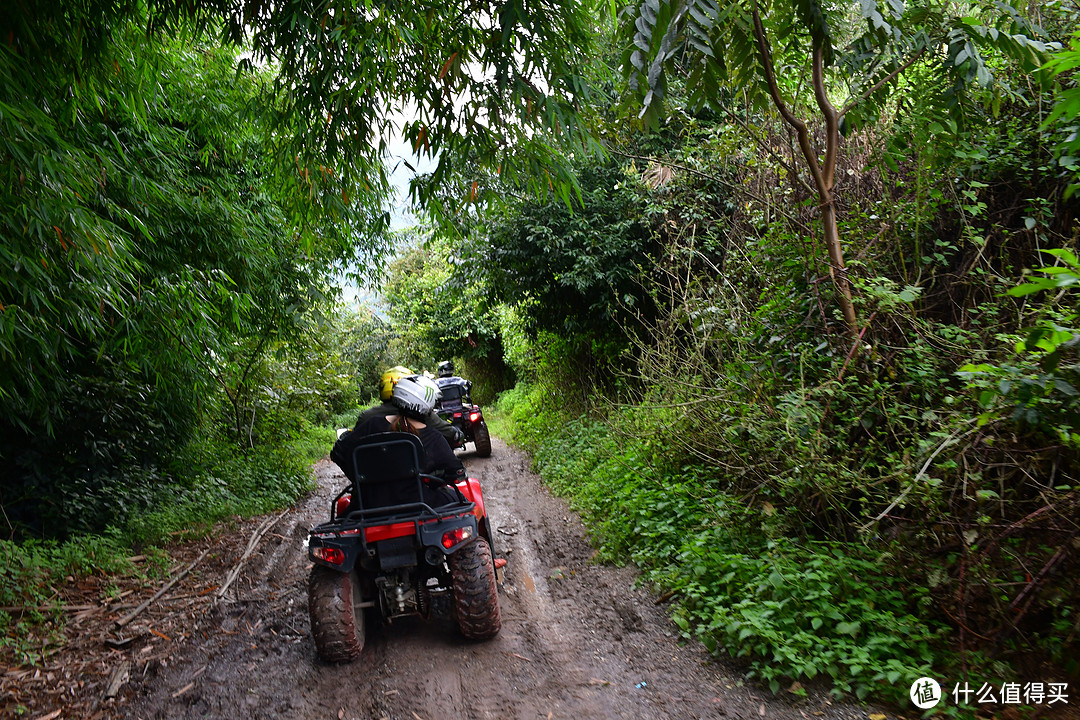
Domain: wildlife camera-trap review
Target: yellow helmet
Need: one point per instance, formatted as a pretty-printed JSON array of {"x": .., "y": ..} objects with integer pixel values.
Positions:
[{"x": 390, "y": 378}]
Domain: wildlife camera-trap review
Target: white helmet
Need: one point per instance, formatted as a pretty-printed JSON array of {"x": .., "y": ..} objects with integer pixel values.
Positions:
[{"x": 416, "y": 394}]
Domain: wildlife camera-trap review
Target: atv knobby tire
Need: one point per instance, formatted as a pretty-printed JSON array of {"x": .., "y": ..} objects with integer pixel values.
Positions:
[
  {"x": 337, "y": 621},
  {"x": 475, "y": 596},
  {"x": 483, "y": 440}
]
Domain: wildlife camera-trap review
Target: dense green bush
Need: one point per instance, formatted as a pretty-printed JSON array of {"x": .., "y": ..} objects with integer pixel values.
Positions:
[
  {"x": 802, "y": 611},
  {"x": 158, "y": 289},
  {"x": 793, "y": 610},
  {"x": 574, "y": 264}
]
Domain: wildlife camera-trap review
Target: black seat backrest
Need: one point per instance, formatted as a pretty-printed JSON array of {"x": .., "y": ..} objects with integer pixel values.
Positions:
[
  {"x": 451, "y": 396},
  {"x": 387, "y": 467}
]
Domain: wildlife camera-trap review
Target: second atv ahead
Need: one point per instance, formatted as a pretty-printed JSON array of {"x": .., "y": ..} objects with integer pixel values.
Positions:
[{"x": 456, "y": 407}]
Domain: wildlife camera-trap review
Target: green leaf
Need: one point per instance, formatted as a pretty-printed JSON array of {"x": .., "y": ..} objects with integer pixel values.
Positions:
[
  {"x": 1032, "y": 287},
  {"x": 910, "y": 293},
  {"x": 1065, "y": 388}
]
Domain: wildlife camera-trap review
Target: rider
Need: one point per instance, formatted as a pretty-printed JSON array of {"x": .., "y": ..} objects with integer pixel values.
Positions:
[
  {"x": 446, "y": 370},
  {"x": 389, "y": 380},
  {"x": 411, "y": 402},
  {"x": 447, "y": 378}
]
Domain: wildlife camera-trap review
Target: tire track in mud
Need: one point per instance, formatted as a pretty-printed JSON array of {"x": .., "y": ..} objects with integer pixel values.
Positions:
[{"x": 579, "y": 641}]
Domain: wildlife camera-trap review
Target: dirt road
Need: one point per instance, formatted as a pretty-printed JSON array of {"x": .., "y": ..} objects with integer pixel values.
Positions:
[{"x": 578, "y": 641}]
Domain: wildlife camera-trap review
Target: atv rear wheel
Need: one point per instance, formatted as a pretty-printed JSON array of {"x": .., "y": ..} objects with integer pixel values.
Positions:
[
  {"x": 482, "y": 439},
  {"x": 475, "y": 595},
  {"x": 337, "y": 620}
]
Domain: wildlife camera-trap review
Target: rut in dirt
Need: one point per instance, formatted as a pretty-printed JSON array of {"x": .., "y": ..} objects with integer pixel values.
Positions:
[{"x": 578, "y": 639}]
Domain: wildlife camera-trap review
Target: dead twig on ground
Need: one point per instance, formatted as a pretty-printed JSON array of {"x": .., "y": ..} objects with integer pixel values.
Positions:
[
  {"x": 253, "y": 542},
  {"x": 175, "y": 579},
  {"x": 120, "y": 675}
]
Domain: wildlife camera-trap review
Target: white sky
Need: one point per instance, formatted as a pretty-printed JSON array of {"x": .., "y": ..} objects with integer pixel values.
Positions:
[{"x": 399, "y": 151}]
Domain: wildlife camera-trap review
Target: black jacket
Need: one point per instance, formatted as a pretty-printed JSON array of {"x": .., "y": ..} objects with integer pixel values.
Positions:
[{"x": 439, "y": 459}]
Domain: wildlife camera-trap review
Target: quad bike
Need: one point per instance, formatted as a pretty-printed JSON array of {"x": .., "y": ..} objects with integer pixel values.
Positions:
[
  {"x": 457, "y": 408},
  {"x": 389, "y": 549}
]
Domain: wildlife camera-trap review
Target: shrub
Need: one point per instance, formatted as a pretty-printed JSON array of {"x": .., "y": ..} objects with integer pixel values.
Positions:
[{"x": 792, "y": 610}]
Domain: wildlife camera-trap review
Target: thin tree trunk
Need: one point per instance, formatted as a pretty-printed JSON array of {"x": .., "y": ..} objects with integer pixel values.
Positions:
[
  {"x": 824, "y": 175},
  {"x": 837, "y": 268}
]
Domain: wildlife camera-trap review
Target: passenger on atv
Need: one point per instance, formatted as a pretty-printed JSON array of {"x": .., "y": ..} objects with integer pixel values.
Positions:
[
  {"x": 389, "y": 380},
  {"x": 411, "y": 402}
]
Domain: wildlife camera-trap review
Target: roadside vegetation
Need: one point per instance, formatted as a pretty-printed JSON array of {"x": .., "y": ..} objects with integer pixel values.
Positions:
[
  {"x": 850, "y": 495},
  {"x": 783, "y": 297}
]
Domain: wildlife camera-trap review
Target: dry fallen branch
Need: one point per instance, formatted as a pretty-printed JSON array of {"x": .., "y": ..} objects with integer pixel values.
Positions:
[
  {"x": 183, "y": 690},
  {"x": 175, "y": 579},
  {"x": 47, "y": 608},
  {"x": 253, "y": 542},
  {"x": 119, "y": 676}
]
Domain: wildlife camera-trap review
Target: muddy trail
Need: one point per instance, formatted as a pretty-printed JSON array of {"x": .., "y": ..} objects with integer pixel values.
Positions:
[{"x": 230, "y": 639}]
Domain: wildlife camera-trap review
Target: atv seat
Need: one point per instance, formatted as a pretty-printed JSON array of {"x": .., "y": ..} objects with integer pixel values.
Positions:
[
  {"x": 455, "y": 393},
  {"x": 387, "y": 482}
]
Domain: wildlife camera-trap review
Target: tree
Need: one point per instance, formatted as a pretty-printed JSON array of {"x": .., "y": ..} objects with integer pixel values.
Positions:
[
  {"x": 571, "y": 269},
  {"x": 437, "y": 315},
  {"x": 148, "y": 261},
  {"x": 740, "y": 44},
  {"x": 1063, "y": 118},
  {"x": 471, "y": 83},
  {"x": 173, "y": 209}
]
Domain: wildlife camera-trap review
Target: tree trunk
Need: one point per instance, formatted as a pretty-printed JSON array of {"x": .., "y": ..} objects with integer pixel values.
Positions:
[
  {"x": 824, "y": 173},
  {"x": 837, "y": 269},
  {"x": 826, "y": 181}
]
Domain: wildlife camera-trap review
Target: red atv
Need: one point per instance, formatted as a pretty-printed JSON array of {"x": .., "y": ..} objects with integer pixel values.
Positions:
[
  {"x": 457, "y": 408},
  {"x": 389, "y": 549}
]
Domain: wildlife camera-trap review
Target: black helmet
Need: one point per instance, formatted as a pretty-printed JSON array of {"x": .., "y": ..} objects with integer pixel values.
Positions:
[{"x": 445, "y": 369}]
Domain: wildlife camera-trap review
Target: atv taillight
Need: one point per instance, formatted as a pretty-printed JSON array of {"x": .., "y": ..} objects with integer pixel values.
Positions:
[
  {"x": 454, "y": 537},
  {"x": 343, "y": 503},
  {"x": 473, "y": 417},
  {"x": 334, "y": 556},
  {"x": 457, "y": 415}
]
